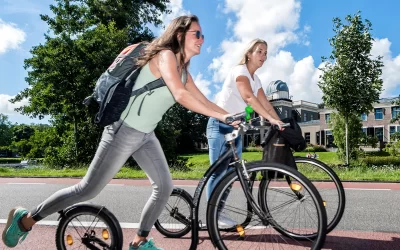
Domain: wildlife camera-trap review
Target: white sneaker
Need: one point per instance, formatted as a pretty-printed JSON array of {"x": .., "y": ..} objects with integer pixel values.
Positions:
[{"x": 224, "y": 221}]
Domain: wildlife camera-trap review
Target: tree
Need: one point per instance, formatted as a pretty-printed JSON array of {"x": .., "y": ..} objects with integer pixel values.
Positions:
[
  {"x": 338, "y": 125},
  {"x": 86, "y": 36},
  {"x": 5, "y": 131},
  {"x": 351, "y": 80}
]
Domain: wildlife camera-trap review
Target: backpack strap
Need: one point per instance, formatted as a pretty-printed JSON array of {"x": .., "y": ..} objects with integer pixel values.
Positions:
[
  {"x": 184, "y": 76},
  {"x": 150, "y": 86}
]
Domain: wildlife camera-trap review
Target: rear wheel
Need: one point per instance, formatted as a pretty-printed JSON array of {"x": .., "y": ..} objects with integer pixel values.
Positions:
[{"x": 330, "y": 188}]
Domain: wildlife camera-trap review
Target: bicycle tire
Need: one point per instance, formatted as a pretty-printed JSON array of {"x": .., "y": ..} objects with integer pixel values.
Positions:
[
  {"x": 270, "y": 224},
  {"x": 338, "y": 214},
  {"x": 172, "y": 211},
  {"x": 114, "y": 230}
]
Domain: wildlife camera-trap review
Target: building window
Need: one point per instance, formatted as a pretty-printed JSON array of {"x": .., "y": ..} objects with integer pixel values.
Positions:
[
  {"x": 395, "y": 112},
  {"x": 305, "y": 117},
  {"x": 286, "y": 114},
  {"x": 364, "y": 117},
  {"x": 393, "y": 129},
  {"x": 327, "y": 118},
  {"x": 364, "y": 130},
  {"x": 307, "y": 137},
  {"x": 379, "y": 133},
  {"x": 312, "y": 117},
  {"x": 379, "y": 114}
]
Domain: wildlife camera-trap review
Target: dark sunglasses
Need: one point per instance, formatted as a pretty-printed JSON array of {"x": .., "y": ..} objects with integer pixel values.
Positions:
[{"x": 198, "y": 34}]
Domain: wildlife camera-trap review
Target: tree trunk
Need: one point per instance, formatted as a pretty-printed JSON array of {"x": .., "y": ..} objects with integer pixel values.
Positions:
[
  {"x": 347, "y": 140},
  {"x": 76, "y": 138}
]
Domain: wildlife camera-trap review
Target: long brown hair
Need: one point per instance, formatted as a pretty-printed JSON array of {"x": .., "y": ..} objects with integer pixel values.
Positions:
[
  {"x": 169, "y": 40},
  {"x": 250, "y": 49}
]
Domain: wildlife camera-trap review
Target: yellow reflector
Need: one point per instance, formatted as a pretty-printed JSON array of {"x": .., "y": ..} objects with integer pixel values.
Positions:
[
  {"x": 295, "y": 187},
  {"x": 105, "y": 234},
  {"x": 240, "y": 230},
  {"x": 324, "y": 203},
  {"x": 70, "y": 241}
]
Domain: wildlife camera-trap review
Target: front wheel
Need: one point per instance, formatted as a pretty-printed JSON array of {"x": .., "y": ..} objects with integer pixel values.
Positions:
[
  {"x": 297, "y": 211},
  {"x": 88, "y": 227}
]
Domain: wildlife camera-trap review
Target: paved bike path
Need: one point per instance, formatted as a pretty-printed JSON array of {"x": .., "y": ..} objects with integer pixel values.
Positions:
[{"x": 43, "y": 238}]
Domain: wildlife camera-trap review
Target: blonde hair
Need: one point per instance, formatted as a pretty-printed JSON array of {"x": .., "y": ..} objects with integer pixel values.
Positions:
[
  {"x": 169, "y": 40},
  {"x": 250, "y": 49}
]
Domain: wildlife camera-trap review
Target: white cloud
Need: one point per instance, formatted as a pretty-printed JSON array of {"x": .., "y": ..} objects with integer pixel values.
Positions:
[
  {"x": 203, "y": 85},
  {"x": 7, "y": 107},
  {"x": 177, "y": 9},
  {"x": 277, "y": 22},
  {"x": 10, "y": 36},
  {"x": 391, "y": 69}
]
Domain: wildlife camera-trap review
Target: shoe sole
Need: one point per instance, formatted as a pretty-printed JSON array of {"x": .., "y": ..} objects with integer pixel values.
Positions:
[{"x": 9, "y": 221}]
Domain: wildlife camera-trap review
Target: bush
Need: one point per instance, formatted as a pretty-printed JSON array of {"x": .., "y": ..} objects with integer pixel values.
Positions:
[
  {"x": 253, "y": 149},
  {"x": 10, "y": 160},
  {"x": 382, "y": 160},
  {"x": 314, "y": 148}
]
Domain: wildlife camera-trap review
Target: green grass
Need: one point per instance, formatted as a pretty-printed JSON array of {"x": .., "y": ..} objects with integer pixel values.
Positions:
[{"x": 197, "y": 164}]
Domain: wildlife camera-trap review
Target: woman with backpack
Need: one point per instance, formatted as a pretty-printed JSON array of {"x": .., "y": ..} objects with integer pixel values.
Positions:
[
  {"x": 168, "y": 57},
  {"x": 242, "y": 87}
]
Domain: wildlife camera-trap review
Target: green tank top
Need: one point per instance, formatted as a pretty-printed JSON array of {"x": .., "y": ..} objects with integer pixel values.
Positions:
[{"x": 147, "y": 109}]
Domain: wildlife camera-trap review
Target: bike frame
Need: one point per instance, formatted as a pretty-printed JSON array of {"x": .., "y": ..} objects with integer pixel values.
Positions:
[{"x": 241, "y": 172}]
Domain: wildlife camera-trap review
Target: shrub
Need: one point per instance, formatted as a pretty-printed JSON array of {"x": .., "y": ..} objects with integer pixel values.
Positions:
[
  {"x": 382, "y": 160},
  {"x": 314, "y": 148}
]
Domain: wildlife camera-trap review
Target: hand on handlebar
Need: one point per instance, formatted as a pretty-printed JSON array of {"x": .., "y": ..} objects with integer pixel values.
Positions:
[
  {"x": 227, "y": 121},
  {"x": 278, "y": 123}
]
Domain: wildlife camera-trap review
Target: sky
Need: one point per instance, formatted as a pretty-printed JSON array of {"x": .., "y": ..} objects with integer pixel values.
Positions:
[{"x": 297, "y": 32}]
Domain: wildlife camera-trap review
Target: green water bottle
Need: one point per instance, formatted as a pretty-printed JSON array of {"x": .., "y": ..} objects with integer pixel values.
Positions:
[{"x": 248, "y": 110}]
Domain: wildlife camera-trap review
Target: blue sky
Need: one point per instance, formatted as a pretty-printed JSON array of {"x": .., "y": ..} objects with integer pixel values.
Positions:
[{"x": 297, "y": 33}]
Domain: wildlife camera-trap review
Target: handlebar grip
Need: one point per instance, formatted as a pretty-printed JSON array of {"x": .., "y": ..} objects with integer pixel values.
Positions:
[
  {"x": 284, "y": 125},
  {"x": 236, "y": 117}
]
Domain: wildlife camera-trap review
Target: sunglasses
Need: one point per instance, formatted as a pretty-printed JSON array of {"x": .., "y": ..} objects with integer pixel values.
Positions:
[{"x": 198, "y": 34}]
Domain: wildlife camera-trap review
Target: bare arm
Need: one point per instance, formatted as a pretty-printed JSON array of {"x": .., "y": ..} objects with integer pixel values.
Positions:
[
  {"x": 266, "y": 104},
  {"x": 168, "y": 69},
  {"x": 243, "y": 85},
  {"x": 192, "y": 88}
]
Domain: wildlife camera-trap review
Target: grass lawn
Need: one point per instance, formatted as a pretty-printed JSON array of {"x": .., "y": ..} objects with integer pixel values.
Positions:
[{"x": 197, "y": 164}]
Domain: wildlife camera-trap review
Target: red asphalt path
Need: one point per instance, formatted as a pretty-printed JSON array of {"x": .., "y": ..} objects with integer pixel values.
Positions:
[{"x": 43, "y": 238}]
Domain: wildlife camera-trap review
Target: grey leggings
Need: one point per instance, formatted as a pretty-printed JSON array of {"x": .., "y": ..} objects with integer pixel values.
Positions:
[{"x": 112, "y": 153}]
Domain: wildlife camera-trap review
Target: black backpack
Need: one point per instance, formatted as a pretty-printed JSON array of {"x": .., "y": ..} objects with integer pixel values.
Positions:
[
  {"x": 113, "y": 89},
  {"x": 278, "y": 144}
]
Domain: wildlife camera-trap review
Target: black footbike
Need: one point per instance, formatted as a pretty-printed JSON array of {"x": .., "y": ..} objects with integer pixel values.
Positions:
[{"x": 295, "y": 214}]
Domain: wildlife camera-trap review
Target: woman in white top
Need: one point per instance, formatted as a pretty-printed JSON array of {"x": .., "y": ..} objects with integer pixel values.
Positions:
[{"x": 242, "y": 87}]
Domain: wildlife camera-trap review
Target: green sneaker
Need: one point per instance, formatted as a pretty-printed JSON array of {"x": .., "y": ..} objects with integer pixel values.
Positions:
[
  {"x": 12, "y": 233},
  {"x": 148, "y": 245}
]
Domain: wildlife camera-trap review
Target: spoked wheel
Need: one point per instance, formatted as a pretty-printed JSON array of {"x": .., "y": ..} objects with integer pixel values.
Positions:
[
  {"x": 88, "y": 227},
  {"x": 331, "y": 189},
  {"x": 290, "y": 215},
  {"x": 175, "y": 219}
]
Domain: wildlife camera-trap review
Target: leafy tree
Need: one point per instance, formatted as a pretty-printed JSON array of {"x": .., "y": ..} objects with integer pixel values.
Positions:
[
  {"x": 86, "y": 36},
  {"x": 5, "y": 131},
  {"x": 351, "y": 80},
  {"x": 369, "y": 140},
  {"x": 354, "y": 125}
]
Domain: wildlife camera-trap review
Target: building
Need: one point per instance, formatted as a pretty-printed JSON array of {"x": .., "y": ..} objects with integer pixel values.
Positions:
[{"x": 313, "y": 119}]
